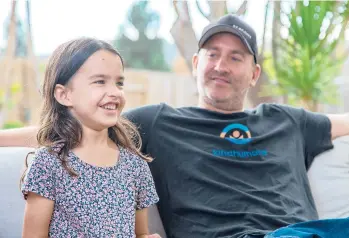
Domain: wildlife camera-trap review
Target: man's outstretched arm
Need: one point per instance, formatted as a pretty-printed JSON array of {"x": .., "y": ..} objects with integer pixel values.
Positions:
[
  {"x": 21, "y": 137},
  {"x": 339, "y": 124}
]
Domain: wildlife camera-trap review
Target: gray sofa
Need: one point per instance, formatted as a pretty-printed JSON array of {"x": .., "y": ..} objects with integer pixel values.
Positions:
[
  {"x": 328, "y": 176},
  {"x": 329, "y": 180}
]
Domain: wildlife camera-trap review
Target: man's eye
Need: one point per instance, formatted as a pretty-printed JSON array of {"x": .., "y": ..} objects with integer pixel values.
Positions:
[{"x": 235, "y": 59}]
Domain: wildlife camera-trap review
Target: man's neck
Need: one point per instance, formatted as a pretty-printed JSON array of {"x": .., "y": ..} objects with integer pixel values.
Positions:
[{"x": 210, "y": 107}]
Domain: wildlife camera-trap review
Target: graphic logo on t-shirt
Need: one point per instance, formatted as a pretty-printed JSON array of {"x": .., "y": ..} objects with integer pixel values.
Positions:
[{"x": 236, "y": 134}]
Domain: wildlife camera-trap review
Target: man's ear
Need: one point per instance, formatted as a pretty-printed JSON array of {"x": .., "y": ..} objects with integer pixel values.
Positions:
[
  {"x": 255, "y": 76},
  {"x": 194, "y": 62},
  {"x": 61, "y": 94}
]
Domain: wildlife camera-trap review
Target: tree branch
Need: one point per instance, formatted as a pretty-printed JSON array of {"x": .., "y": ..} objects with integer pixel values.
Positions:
[
  {"x": 174, "y": 3},
  {"x": 207, "y": 16},
  {"x": 183, "y": 33},
  {"x": 264, "y": 28},
  {"x": 183, "y": 13},
  {"x": 11, "y": 41},
  {"x": 242, "y": 9},
  {"x": 217, "y": 9},
  {"x": 276, "y": 29}
]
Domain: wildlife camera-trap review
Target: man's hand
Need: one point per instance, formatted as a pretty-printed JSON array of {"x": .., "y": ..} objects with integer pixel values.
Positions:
[
  {"x": 149, "y": 236},
  {"x": 154, "y": 236}
]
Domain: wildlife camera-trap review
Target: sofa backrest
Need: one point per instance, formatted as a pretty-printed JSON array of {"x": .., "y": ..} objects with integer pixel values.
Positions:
[
  {"x": 329, "y": 180},
  {"x": 11, "y": 200}
]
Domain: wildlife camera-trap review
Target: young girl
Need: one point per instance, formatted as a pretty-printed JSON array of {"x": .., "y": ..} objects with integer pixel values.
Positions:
[{"x": 88, "y": 178}]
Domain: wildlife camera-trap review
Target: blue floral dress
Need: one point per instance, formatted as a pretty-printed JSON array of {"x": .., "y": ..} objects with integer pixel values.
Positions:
[{"x": 100, "y": 201}]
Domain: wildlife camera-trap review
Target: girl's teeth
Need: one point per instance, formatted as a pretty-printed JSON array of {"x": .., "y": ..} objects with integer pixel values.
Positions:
[{"x": 110, "y": 107}]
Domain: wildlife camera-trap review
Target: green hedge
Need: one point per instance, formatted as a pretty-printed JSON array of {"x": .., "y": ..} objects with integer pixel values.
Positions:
[{"x": 12, "y": 124}]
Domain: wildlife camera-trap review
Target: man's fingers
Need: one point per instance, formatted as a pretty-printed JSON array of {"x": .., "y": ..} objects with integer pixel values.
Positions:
[{"x": 154, "y": 236}]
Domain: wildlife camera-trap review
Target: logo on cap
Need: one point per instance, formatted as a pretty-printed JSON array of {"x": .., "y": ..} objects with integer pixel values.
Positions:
[{"x": 242, "y": 30}]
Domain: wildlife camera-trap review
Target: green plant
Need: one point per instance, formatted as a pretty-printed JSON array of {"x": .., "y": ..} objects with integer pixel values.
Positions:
[
  {"x": 309, "y": 56},
  {"x": 12, "y": 124}
]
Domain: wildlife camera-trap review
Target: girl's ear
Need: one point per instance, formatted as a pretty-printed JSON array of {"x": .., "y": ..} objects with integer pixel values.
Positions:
[{"x": 61, "y": 94}]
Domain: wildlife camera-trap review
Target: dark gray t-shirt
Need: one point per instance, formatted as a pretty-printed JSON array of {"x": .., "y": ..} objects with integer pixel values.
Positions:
[{"x": 228, "y": 175}]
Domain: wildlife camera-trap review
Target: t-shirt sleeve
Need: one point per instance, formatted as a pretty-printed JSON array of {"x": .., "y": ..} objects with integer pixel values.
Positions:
[
  {"x": 146, "y": 192},
  {"x": 315, "y": 128},
  {"x": 41, "y": 175},
  {"x": 317, "y": 135}
]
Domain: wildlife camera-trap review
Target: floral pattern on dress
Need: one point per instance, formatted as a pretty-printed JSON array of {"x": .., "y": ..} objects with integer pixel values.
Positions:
[{"x": 100, "y": 201}]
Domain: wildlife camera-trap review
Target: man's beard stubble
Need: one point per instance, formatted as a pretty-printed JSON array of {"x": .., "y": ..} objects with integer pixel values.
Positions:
[{"x": 235, "y": 103}]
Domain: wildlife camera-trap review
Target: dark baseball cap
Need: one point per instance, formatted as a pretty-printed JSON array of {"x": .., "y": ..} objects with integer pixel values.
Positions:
[{"x": 235, "y": 25}]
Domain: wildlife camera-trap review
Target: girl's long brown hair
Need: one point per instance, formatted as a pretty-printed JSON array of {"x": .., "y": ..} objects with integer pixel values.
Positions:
[{"x": 58, "y": 128}]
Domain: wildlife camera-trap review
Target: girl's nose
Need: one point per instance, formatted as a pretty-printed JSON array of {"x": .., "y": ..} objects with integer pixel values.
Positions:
[{"x": 113, "y": 90}]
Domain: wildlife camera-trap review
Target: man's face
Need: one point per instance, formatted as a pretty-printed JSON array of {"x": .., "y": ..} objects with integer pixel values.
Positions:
[{"x": 225, "y": 70}]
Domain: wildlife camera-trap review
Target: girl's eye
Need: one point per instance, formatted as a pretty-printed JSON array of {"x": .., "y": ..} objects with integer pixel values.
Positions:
[
  {"x": 211, "y": 55},
  {"x": 120, "y": 84},
  {"x": 100, "y": 82}
]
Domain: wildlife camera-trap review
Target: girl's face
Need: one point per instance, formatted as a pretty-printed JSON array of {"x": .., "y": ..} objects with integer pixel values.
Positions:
[{"x": 95, "y": 93}]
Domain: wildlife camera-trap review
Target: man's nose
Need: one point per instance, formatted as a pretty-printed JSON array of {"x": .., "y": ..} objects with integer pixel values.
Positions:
[{"x": 221, "y": 66}]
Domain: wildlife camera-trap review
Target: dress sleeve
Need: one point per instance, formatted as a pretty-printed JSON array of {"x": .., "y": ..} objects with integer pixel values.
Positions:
[
  {"x": 146, "y": 192},
  {"x": 41, "y": 175}
]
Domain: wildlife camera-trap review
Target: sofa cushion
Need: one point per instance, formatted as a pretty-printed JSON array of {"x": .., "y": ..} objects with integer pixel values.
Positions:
[{"x": 329, "y": 180}]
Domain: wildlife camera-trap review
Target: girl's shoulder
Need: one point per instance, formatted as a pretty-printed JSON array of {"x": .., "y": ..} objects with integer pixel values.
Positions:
[
  {"x": 41, "y": 175},
  {"x": 47, "y": 156},
  {"x": 130, "y": 157}
]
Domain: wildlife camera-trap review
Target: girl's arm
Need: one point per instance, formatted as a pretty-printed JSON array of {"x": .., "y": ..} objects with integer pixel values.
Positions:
[
  {"x": 142, "y": 230},
  {"x": 37, "y": 216},
  {"x": 20, "y": 137},
  {"x": 146, "y": 197}
]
